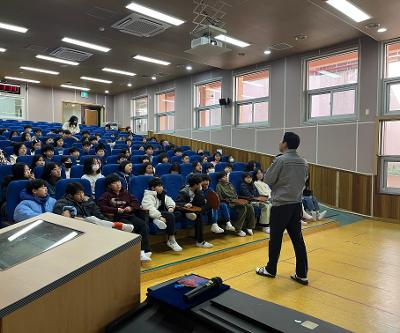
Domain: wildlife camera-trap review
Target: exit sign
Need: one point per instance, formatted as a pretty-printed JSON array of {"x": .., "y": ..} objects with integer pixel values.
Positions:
[{"x": 84, "y": 94}]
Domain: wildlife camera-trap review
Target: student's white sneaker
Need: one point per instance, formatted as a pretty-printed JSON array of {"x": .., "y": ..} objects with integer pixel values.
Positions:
[
  {"x": 204, "y": 245},
  {"x": 174, "y": 246},
  {"x": 148, "y": 254},
  {"x": 320, "y": 216},
  {"x": 303, "y": 222},
  {"x": 250, "y": 232},
  {"x": 144, "y": 257},
  {"x": 127, "y": 227},
  {"x": 314, "y": 215},
  {"x": 215, "y": 228},
  {"x": 267, "y": 230},
  {"x": 307, "y": 216},
  {"x": 160, "y": 224},
  {"x": 191, "y": 216},
  {"x": 229, "y": 226},
  {"x": 241, "y": 233}
]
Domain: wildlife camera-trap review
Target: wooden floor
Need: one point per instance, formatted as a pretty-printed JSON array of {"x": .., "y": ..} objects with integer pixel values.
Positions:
[{"x": 354, "y": 276}]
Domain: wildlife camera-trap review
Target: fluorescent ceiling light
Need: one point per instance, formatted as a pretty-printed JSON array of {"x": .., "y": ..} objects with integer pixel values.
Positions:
[
  {"x": 33, "y": 69},
  {"x": 350, "y": 10},
  {"x": 189, "y": 68},
  {"x": 154, "y": 14},
  {"x": 233, "y": 41},
  {"x": 12, "y": 27},
  {"x": 330, "y": 74},
  {"x": 21, "y": 79},
  {"x": 86, "y": 44},
  {"x": 107, "y": 92},
  {"x": 117, "y": 71},
  {"x": 87, "y": 78},
  {"x": 382, "y": 30},
  {"x": 148, "y": 59},
  {"x": 74, "y": 87},
  {"x": 61, "y": 61},
  {"x": 129, "y": 84},
  {"x": 154, "y": 77},
  {"x": 2, "y": 49},
  {"x": 267, "y": 52}
]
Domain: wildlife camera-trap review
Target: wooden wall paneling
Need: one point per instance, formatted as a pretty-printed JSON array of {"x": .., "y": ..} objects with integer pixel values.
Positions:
[
  {"x": 355, "y": 192},
  {"x": 386, "y": 206},
  {"x": 323, "y": 184}
]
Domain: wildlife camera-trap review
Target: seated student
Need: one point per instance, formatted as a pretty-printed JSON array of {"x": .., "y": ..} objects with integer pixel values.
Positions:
[
  {"x": 251, "y": 166},
  {"x": 27, "y": 129},
  {"x": 310, "y": 203},
  {"x": 48, "y": 141},
  {"x": 178, "y": 152},
  {"x": 185, "y": 159},
  {"x": 141, "y": 148},
  {"x": 51, "y": 174},
  {"x": 101, "y": 153},
  {"x": 197, "y": 167},
  {"x": 125, "y": 172},
  {"x": 262, "y": 187},
  {"x": 215, "y": 228},
  {"x": 75, "y": 153},
  {"x": 149, "y": 151},
  {"x": 147, "y": 169},
  {"x": 246, "y": 219},
  {"x": 203, "y": 159},
  {"x": 119, "y": 205},
  {"x": 85, "y": 135},
  {"x": 163, "y": 158},
  {"x": 26, "y": 137},
  {"x": 76, "y": 204},
  {"x": 217, "y": 158},
  {"x": 59, "y": 144},
  {"x": 145, "y": 159},
  {"x": 228, "y": 169},
  {"x": 191, "y": 195},
  {"x": 67, "y": 135},
  {"x": 161, "y": 209},
  {"x": 93, "y": 141},
  {"x": 122, "y": 158},
  {"x": 200, "y": 152},
  {"x": 13, "y": 134},
  {"x": 66, "y": 164},
  {"x": 128, "y": 142},
  {"x": 48, "y": 153},
  {"x": 38, "y": 160},
  {"x": 19, "y": 150},
  {"x": 175, "y": 169},
  {"x": 86, "y": 146},
  {"x": 72, "y": 125},
  {"x": 36, "y": 146},
  {"x": 210, "y": 168},
  {"x": 231, "y": 159},
  {"x": 92, "y": 172},
  {"x": 37, "y": 134},
  {"x": 3, "y": 158},
  {"x": 249, "y": 190},
  {"x": 35, "y": 201}
]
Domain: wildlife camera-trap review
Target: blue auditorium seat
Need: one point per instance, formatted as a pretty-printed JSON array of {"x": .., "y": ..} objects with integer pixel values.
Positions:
[
  {"x": 57, "y": 159},
  {"x": 27, "y": 159},
  {"x": 176, "y": 159},
  {"x": 137, "y": 169},
  {"x": 13, "y": 191},
  {"x": 76, "y": 171},
  {"x": 239, "y": 166},
  {"x": 172, "y": 184},
  {"x": 194, "y": 158},
  {"x": 163, "y": 169},
  {"x": 137, "y": 159},
  {"x": 185, "y": 169},
  {"x": 5, "y": 143},
  {"x": 84, "y": 157},
  {"x": 138, "y": 184},
  {"x": 219, "y": 167},
  {"x": 213, "y": 183},
  {"x": 112, "y": 159},
  {"x": 236, "y": 178},
  {"x": 5, "y": 170},
  {"x": 116, "y": 151},
  {"x": 109, "y": 169},
  {"x": 62, "y": 184}
]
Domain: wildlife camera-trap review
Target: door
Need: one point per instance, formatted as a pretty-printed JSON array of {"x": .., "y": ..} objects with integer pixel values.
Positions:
[{"x": 91, "y": 117}]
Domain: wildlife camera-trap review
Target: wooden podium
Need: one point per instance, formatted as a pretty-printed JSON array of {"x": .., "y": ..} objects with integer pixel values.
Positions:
[{"x": 79, "y": 286}]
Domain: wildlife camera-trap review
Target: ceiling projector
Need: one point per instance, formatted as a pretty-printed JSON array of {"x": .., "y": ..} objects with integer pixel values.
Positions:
[{"x": 203, "y": 43}]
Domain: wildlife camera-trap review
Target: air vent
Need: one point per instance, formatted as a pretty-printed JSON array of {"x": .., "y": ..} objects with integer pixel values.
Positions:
[
  {"x": 141, "y": 26},
  {"x": 70, "y": 54},
  {"x": 280, "y": 46}
]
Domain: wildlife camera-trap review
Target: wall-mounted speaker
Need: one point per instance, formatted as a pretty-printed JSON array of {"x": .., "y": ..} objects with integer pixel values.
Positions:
[{"x": 224, "y": 101}]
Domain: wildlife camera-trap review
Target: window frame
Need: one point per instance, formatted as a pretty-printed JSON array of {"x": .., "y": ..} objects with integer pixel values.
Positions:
[
  {"x": 387, "y": 82},
  {"x": 158, "y": 115},
  {"x": 23, "y": 107},
  {"x": 385, "y": 159},
  {"x": 307, "y": 94},
  {"x": 135, "y": 118},
  {"x": 211, "y": 108},
  {"x": 252, "y": 101}
]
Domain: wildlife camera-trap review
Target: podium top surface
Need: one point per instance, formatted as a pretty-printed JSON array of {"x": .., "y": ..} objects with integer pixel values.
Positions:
[{"x": 30, "y": 279}]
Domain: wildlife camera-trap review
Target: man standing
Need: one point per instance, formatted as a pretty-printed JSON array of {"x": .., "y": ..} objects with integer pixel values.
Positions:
[{"x": 287, "y": 176}]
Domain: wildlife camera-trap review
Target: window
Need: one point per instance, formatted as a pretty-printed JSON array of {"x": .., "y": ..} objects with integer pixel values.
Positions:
[
  {"x": 207, "y": 109},
  {"x": 252, "y": 98},
  {"x": 11, "y": 107},
  {"x": 139, "y": 115},
  {"x": 331, "y": 86},
  {"x": 390, "y": 156},
  {"x": 392, "y": 78},
  {"x": 165, "y": 112}
]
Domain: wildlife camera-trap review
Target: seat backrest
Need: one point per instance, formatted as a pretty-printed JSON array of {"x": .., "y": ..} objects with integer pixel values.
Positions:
[
  {"x": 5, "y": 143},
  {"x": 57, "y": 159},
  {"x": 239, "y": 166},
  {"x": 172, "y": 184},
  {"x": 176, "y": 159},
  {"x": 9, "y": 150},
  {"x": 13, "y": 191},
  {"x": 76, "y": 171},
  {"x": 137, "y": 152},
  {"x": 116, "y": 151},
  {"x": 138, "y": 184},
  {"x": 163, "y": 169},
  {"x": 185, "y": 169},
  {"x": 112, "y": 159},
  {"x": 27, "y": 159},
  {"x": 5, "y": 170},
  {"x": 220, "y": 166},
  {"x": 15, "y": 139},
  {"x": 137, "y": 159},
  {"x": 109, "y": 169},
  {"x": 236, "y": 178},
  {"x": 185, "y": 148},
  {"x": 84, "y": 157},
  {"x": 189, "y": 152},
  {"x": 213, "y": 183},
  {"x": 68, "y": 142},
  {"x": 62, "y": 184},
  {"x": 137, "y": 169},
  {"x": 194, "y": 158},
  {"x": 38, "y": 171}
]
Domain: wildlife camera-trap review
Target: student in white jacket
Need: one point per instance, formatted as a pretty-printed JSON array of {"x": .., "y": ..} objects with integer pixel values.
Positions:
[{"x": 161, "y": 209}]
